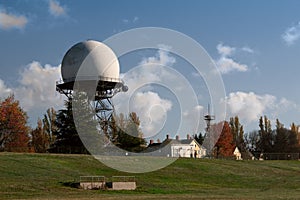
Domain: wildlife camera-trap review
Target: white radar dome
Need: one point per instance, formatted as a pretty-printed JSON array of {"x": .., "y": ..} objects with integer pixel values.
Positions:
[{"x": 88, "y": 60}]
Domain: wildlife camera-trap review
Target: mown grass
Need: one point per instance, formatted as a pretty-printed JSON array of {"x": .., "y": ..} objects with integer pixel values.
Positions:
[{"x": 47, "y": 176}]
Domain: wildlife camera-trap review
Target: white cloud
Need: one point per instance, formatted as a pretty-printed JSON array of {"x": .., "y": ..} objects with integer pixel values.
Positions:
[
  {"x": 291, "y": 34},
  {"x": 56, "y": 9},
  {"x": 149, "y": 105},
  {"x": 9, "y": 21},
  {"x": 226, "y": 63},
  {"x": 250, "y": 106},
  {"x": 37, "y": 86},
  {"x": 162, "y": 58},
  {"x": 225, "y": 50},
  {"x": 192, "y": 116},
  {"x": 247, "y": 49},
  {"x": 127, "y": 21},
  {"x": 36, "y": 89},
  {"x": 152, "y": 110},
  {"x": 4, "y": 90}
]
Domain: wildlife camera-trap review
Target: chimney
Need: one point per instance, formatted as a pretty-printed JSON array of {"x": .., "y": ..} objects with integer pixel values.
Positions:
[
  {"x": 151, "y": 141},
  {"x": 158, "y": 140},
  {"x": 177, "y": 137},
  {"x": 188, "y": 136},
  {"x": 167, "y": 137}
]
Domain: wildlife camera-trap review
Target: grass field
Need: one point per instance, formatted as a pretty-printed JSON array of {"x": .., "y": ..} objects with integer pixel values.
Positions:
[{"x": 47, "y": 176}]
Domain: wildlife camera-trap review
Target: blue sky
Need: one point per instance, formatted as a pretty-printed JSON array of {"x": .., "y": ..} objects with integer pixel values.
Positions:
[{"x": 255, "y": 44}]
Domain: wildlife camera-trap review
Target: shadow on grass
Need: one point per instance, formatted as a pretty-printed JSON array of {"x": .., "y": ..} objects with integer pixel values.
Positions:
[{"x": 71, "y": 184}]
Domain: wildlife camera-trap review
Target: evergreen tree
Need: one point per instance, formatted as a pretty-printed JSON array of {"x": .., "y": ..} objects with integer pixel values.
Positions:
[
  {"x": 199, "y": 138},
  {"x": 266, "y": 139},
  {"x": 67, "y": 138},
  {"x": 281, "y": 138}
]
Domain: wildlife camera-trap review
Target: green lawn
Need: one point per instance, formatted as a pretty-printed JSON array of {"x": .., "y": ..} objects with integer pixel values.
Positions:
[{"x": 46, "y": 176}]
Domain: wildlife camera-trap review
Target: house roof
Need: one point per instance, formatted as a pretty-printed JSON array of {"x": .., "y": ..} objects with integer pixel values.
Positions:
[
  {"x": 186, "y": 141},
  {"x": 173, "y": 141}
]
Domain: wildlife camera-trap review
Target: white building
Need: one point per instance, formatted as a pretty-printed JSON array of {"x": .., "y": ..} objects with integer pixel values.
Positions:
[
  {"x": 188, "y": 148},
  {"x": 237, "y": 154}
]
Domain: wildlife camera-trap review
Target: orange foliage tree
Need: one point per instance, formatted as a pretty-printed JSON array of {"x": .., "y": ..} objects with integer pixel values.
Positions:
[
  {"x": 13, "y": 126},
  {"x": 225, "y": 144}
]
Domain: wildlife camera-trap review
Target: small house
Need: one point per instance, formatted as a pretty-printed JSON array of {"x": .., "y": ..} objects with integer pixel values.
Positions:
[
  {"x": 237, "y": 154},
  {"x": 188, "y": 148}
]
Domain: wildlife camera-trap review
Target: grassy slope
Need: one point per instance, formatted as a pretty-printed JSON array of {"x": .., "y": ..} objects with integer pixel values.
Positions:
[{"x": 42, "y": 176}]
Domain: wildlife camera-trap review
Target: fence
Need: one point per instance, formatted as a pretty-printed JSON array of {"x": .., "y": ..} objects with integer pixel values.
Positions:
[
  {"x": 277, "y": 156},
  {"x": 92, "y": 182},
  {"x": 113, "y": 183}
]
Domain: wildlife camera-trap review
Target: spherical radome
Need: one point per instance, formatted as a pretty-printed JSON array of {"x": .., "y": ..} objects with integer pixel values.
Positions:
[{"x": 89, "y": 59}]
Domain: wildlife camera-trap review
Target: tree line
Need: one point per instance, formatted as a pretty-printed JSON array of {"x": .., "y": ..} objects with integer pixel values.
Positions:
[
  {"x": 56, "y": 132},
  {"x": 261, "y": 142}
]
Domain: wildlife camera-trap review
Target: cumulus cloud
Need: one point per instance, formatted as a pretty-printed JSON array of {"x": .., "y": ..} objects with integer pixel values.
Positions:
[
  {"x": 250, "y": 106},
  {"x": 10, "y": 21},
  {"x": 36, "y": 89},
  {"x": 291, "y": 34},
  {"x": 192, "y": 116},
  {"x": 226, "y": 63},
  {"x": 4, "y": 90},
  {"x": 225, "y": 50},
  {"x": 149, "y": 105},
  {"x": 162, "y": 58},
  {"x": 156, "y": 95},
  {"x": 56, "y": 9},
  {"x": 152, "y": 110}
]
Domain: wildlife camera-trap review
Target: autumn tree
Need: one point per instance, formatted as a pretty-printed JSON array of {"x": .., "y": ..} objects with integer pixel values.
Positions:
[
  {"x": 43, "y": 135},
  {"x": 211, "y": 137},
  {"x": 225, "y": 144},
  {"x": 39, "y": 138},
  {"x": 13, "y": 126},
  {"x": 295, "y": 130}
]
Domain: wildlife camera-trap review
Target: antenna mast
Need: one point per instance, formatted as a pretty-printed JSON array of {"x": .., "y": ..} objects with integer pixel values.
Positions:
[{"x": 208, "y": 118}]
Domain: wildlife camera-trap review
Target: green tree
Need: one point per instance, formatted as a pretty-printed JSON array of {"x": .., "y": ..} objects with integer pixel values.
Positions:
[
  {"x": 281, "y": 138},
  {"x": 128, "y": 134},
  {"x": 266, "y": 139},
  {"x": 285, "y": 139},
  {"x": 237, "y": 131},
  {"x": 252, "y": 141},
  {"x": 199, "y": 138},
  {"x": 293, "y": 142},
  {"x": 49, "y": 125},
  {"x": 67, "y": 139},
  {"x": 14, "y": 131}
]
